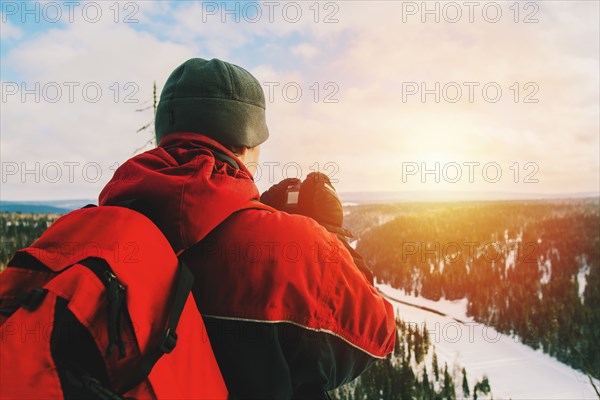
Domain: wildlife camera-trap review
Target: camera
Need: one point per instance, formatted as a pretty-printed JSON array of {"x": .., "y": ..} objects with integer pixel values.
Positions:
[{"x": 291, "y": 196}]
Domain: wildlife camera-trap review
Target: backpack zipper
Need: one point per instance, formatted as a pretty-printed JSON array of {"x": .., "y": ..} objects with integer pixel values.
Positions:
[
  {"x": 116, "y": 301},
  {"x": 115, "y": 298}
]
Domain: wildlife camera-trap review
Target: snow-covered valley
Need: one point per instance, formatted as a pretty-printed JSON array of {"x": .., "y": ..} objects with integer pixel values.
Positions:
[{"x": 515, "y": 370}]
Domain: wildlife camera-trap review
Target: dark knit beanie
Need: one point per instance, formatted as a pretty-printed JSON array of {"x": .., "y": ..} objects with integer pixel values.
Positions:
[{"x": 214, "y": 98}]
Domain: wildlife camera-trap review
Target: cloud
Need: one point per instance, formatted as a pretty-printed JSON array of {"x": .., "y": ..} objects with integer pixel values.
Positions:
[
  {"x": 336, "y": 90},
  {"x": 372, "y": 118},
  {"x": 78, "y": 91},
  {"x": 9, "y": 31},
  {"x": 305, "y": 50}
]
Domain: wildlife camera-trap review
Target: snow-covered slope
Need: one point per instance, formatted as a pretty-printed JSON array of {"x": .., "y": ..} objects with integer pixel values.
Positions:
[{"x": 515, "y": 370}]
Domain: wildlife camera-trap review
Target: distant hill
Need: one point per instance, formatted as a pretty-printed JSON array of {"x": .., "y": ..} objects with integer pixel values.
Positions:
[
  {"x": 348, "y": 198},
  {"x": 449, "y": 196},
  {"x": 45, "y": 207}
]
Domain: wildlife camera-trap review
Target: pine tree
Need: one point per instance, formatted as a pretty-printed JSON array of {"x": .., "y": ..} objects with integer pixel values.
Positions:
[
  {"x": 397, "y": 344},
  {"x": 448, "y": 391},
  {"x": 407, "y": 380},
  {"x": 427, "y": 388},
  {"x": 359, "y": 393},
  {"x": 483, "y": 387},
  {"x": 465, "y": 384},
  {"x": 395, "y": 384},
  {"x": 434, "y": 366},
  {"x": 409, "y": 341},
  {"x": 418, "y": 344},
  {"x": 426, "y": 342}
]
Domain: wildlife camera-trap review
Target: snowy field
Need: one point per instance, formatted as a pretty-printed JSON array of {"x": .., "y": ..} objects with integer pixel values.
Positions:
[{"x": 515, "y": 370}]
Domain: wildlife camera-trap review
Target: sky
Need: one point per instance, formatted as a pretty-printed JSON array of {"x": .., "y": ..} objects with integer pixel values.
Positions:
[{"x": 399, "y": 96}]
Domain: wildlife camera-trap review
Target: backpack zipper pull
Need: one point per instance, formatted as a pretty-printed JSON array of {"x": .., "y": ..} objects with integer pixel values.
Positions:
[{"x": 116, "y": 301}]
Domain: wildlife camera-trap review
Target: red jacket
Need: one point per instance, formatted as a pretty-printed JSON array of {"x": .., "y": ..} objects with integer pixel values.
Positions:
[{"x": 287, "y": 310}]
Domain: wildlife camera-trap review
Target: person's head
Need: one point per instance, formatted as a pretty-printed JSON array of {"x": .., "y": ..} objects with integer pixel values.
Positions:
[{"x": 214, "y": 98}]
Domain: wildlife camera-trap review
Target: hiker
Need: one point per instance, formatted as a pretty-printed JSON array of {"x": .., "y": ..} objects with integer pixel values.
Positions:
[{"x": 290, "y": 309}]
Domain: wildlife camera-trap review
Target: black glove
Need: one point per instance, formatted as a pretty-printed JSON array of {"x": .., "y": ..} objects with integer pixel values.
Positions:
[
  {"x": 276, "y": 196},
  {"x": 319, "y": 200}
]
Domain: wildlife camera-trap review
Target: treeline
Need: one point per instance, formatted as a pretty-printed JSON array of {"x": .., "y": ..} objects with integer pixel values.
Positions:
[
  {"x": 527, "y": 268},
  {"x": 20, "y": 230},
  {"x": 412, "y": 371}
]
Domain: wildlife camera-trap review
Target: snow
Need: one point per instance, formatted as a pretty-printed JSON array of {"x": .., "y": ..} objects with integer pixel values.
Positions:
[
  {"x": 384, "y": 219},
  {"x": 546, "y": 269},
  {"x": 510, "y": 262},
  {"x": 515, "y": 370},
  {"x": 584, "y": 271},
  {"x": 455, "y": 309}
]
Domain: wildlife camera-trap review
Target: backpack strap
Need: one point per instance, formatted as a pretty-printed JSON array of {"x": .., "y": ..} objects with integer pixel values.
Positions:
[
  {"x": 183, "y": 288},
  {"x": 28, "y": 300},
  {"x": 185, "y": 280}
]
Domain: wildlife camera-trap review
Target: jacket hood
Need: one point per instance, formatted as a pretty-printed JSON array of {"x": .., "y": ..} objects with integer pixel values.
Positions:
[{"x": 183, "y": 187}]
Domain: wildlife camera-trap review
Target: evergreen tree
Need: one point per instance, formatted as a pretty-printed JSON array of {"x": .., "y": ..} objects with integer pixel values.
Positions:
[
  {"x": 395, "y": 377},
  {"x": 448, "y": 391},
  {"x": 425, "y": 381},
  {"x": 434, "y": 366},
  {"x": 418, "y": 346},
  {"x": 426, "y": 341},
  {"x": 426, "y": 386},
  {"x": 483, "y": 387},
  {"x": 397, "y": 344},
  {"x": 359, "y": 393},
  {"x": 465, "y": 384},
  {"x": 407, "y": 380}
]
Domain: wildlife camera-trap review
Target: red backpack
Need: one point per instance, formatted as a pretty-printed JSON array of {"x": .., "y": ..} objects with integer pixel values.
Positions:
[{"x": 99, "y": 307}]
